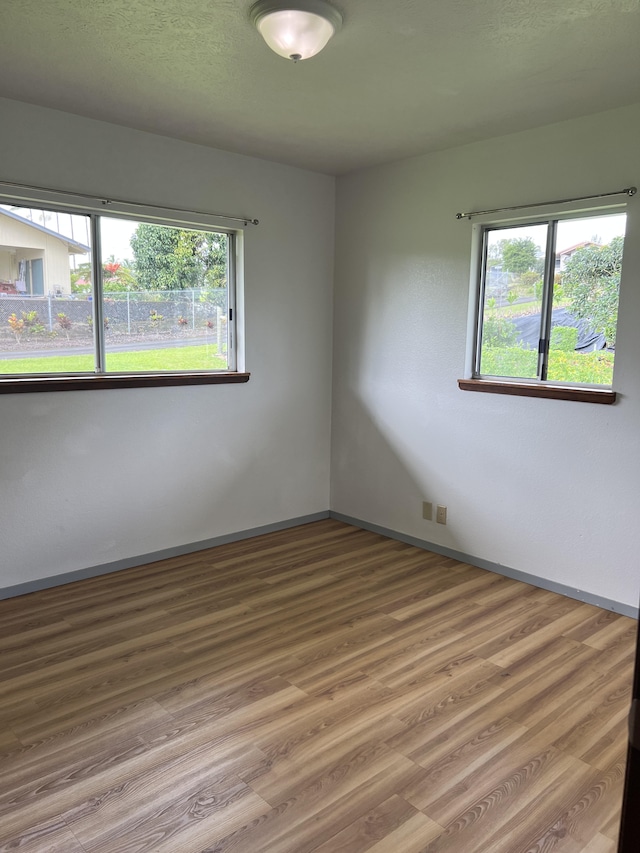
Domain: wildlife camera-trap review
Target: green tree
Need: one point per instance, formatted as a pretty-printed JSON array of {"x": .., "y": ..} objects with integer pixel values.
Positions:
[
  {"x": 81, "y": 279},
  {"x": 591, "y": 282},
  {"x": 520, "y": 255},
  {"x": 177, "y": 259}
]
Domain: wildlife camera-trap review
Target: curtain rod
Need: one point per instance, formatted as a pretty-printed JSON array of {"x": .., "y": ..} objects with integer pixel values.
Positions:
[
  {"x": 107, "y": 201},
  {"x": 627, "y": 191}
]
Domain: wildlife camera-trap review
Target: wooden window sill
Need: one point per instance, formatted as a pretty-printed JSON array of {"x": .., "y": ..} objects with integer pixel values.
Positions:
[
  {"x": 116, "y": 380},
  {"x": 525, "y": 389}
]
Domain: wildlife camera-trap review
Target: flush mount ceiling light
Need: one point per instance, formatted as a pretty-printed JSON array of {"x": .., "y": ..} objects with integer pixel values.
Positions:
[{"x": 297, "y": 29}]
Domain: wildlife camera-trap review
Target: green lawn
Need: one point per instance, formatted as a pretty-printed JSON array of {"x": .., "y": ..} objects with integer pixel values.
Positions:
[
  {"x": 522, "y": 309},
  {"x": 592, "y": 368},
  {"x": 202, "y": 357}
]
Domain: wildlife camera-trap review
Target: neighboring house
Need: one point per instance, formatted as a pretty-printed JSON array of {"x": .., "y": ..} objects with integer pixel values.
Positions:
[
  {"x": 566, "y": 254},
  {"x": 34, "y": 260}
]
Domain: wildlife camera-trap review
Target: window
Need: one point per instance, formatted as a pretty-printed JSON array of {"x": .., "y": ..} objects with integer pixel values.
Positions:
[
  {"x": 546, "y": 302},
  {"x": 102, "y": 301}
]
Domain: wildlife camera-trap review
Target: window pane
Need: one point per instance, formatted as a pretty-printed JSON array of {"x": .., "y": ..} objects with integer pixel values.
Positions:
[
  {"x": 588, "y": 265},
  {"x": 512, "y": 307},
  {"x": 46, "y": 321},
  {"x": 165, "y": 297}
]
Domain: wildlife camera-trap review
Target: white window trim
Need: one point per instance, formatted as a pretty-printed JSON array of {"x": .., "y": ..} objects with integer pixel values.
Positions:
[
  {"x": 50, "y": 200},
  {"x": 534, "y": 386}
]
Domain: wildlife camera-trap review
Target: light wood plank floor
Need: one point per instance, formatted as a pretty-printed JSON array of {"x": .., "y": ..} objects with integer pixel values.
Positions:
[{"x": 320, "y": 689}]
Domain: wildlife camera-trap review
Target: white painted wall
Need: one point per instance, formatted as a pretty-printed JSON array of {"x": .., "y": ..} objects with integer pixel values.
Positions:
[
  {"x": 542, "y": 486},
  {"x": 87, "y": 478}
]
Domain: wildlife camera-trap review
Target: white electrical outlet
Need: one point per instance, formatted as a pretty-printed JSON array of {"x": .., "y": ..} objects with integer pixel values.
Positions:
[
  {"x": 441, "y": 514},
  {"x": 427, "y": 510}
]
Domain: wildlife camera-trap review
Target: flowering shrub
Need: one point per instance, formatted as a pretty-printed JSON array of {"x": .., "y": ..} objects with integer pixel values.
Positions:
[
  {"x": 28, "y": 322},
  {"x": 17, "y": 326},
  {"x": 64, "y": 322}
]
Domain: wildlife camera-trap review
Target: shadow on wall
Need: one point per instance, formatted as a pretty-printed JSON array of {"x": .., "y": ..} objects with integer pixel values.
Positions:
[{"x": 376, "y": 485}]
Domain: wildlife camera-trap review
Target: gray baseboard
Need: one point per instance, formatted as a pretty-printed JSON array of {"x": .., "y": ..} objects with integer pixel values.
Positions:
[
  {"x": 534, "y": 580},
  {"x": 142, "y": 559},
  {"x": 180, "y": 550}
]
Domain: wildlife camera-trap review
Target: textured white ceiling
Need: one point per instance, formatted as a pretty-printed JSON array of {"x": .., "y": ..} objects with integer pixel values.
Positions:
[{"x": 402, "y": 77}]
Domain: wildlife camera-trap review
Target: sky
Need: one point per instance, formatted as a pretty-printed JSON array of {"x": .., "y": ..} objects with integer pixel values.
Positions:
[
  {"x": 116, "y": 234},
  {"x": 570, "y": 231}
]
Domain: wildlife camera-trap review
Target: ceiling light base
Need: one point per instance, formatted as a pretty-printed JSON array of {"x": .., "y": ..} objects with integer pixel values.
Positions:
[{"x": 296, "y": 29}]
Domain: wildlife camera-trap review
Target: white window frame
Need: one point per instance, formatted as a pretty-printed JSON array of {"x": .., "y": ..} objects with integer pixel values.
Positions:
[
  {"x": 48, "y": 200},
  {"x": 534, "y": 387}
]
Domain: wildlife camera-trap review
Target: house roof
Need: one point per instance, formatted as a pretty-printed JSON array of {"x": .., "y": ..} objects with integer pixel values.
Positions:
[
  {"x": 75, "y": 248},
  {"x": 400, "y": 78},
  {"x": 574, "y": 248}
]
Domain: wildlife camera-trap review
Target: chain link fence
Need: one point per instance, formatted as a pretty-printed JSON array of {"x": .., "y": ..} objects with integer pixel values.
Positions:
[{"x": 27, "y": 322}]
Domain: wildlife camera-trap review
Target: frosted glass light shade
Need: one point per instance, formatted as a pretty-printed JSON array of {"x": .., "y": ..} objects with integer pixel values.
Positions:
[{"x": 296, "y": 33}]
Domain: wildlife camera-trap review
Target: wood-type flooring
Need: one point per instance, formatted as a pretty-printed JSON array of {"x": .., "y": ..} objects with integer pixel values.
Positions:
[{"x": 318, "y": 689}]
